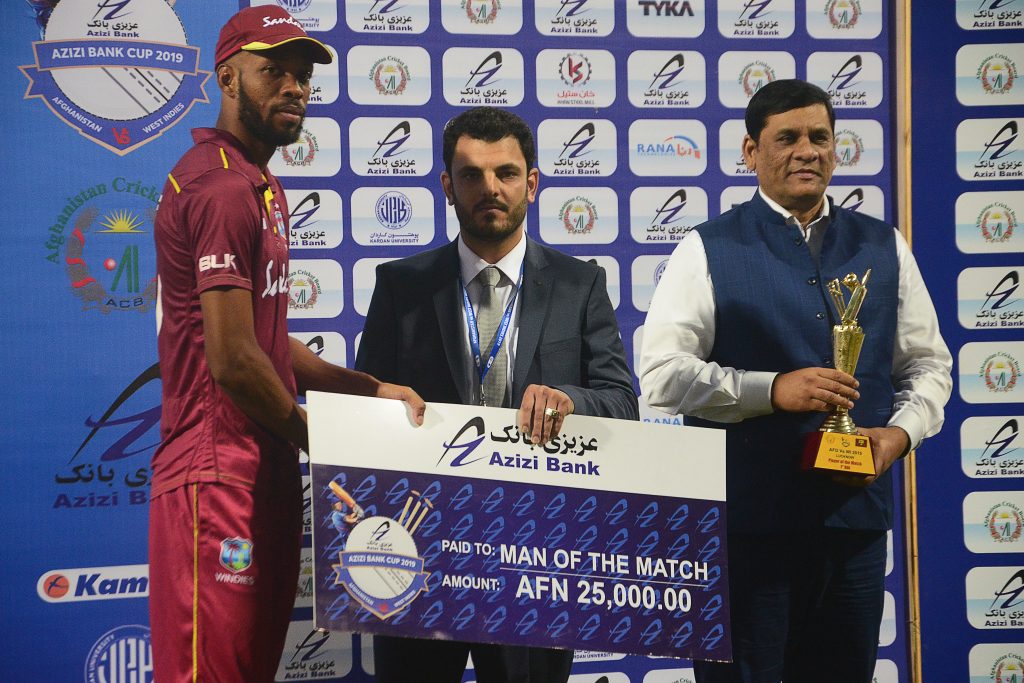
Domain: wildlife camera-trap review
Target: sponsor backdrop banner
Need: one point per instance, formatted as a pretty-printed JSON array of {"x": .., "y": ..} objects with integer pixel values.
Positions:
[
  {"x": 637, "y": 106},
  {"x": 968, "y": 190}
]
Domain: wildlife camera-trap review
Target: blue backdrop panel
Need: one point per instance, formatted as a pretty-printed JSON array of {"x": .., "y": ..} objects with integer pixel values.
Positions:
[{"x": 637, "y": 106}]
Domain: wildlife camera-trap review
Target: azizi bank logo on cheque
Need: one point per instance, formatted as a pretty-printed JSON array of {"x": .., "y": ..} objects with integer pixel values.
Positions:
[{"x": 460, "y": 450}]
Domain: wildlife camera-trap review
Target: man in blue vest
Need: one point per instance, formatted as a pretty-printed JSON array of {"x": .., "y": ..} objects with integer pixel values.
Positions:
[{"x": 738, "y": 337}]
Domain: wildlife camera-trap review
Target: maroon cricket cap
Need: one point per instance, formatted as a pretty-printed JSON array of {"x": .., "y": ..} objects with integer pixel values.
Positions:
[{"x": 262, "y": 28}]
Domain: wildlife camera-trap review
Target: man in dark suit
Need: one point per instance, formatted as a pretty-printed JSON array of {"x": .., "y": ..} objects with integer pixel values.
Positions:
[{"x": 494, "y": 319}]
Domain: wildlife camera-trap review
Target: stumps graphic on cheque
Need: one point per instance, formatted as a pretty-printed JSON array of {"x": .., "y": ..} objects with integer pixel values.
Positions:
[{"x": 380, "y": 566}]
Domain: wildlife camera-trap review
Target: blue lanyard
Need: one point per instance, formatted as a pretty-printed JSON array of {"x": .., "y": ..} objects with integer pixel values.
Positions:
[{"x": 474, "y": 332}]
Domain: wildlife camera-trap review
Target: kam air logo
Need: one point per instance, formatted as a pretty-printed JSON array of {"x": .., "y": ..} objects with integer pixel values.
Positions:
[
  {"x": 94, "y": 583},
  {"x": 120, "y": 72},
  {"x": 107, "y": 242}
]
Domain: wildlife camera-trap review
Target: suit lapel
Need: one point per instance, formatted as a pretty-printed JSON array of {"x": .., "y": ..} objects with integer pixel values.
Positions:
[
  {"x": 533, "y": 307},
  {"x": 447, "y": 302}
]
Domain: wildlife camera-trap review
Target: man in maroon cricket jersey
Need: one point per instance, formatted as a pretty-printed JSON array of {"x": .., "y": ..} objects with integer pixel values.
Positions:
[{"x": 226, "y": 509}]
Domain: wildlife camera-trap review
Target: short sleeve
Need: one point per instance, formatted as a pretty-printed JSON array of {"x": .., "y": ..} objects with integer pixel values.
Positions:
[{"x": 222, "y": 218}]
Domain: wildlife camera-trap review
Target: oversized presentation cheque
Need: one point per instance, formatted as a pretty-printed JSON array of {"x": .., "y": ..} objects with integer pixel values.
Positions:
[{"x": 610, "y": 537}]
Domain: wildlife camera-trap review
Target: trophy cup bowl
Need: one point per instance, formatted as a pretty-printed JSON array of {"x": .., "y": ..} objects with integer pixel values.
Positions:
[{"x": 837, "y": 447}]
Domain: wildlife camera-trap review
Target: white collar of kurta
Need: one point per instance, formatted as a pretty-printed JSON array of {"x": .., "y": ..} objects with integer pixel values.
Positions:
[
  {"x": 823, "y": 217},
  {"x": 470, "y": 264}
]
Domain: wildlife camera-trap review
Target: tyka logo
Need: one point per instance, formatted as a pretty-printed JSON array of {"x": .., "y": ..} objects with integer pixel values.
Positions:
[
  {"x": 666, "y": 8},
  {"x": 484, "y": 74},
  {"x": 466, "y": 447},
  {"x": 997, "y": 147},
  {"x": 579, "y": 142},
  {"x": 846, "y": 75},
  {"x": 392, "y": 143},
  {"x": 668, "y": 73}
]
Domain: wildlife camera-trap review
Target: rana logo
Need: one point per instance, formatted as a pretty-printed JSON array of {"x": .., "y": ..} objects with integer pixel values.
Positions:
[{"x": 120, "y": 73}]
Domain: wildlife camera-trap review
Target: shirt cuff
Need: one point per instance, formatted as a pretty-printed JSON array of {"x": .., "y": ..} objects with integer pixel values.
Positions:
[
  {"x": 911, "y": 426},
  {"x": 756, "y": 393}
]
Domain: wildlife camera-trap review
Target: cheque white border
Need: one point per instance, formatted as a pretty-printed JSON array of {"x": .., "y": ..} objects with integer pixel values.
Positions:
[{"x": 624, "y": 456}]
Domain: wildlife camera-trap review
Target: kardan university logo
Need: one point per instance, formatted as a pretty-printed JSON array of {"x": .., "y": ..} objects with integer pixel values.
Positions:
[{"x": 120, "y": 72}]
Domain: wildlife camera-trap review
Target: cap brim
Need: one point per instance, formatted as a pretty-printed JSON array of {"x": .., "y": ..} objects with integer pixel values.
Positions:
[{"x": 321, "y": 55}]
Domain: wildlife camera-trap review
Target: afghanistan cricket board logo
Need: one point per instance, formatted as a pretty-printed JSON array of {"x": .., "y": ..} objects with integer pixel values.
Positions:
[
  {"x": 1008, "y": 669},
  {"x": 1000, "y": 372},
  {"x": 481, "y": 11},
  {"x": 843, "y": 14},
  {"x": 106, "y": 232},
  {"x": 119, "y": 72},
  {"x": 578, "y": 215},
  {"x": 997, "y": 221},
  {"x": 997, "y": 74},
  {"x": 1004, "y": 522},
  {"x": 380, "y": 566}
]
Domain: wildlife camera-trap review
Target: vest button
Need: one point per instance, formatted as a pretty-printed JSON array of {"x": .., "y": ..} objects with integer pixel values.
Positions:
[
  {"x": 819, "y": 315},
  {"x": 812, "y": 280},
  {"x": 798, "y": 241},
  {"x": 826, "y": 360}
]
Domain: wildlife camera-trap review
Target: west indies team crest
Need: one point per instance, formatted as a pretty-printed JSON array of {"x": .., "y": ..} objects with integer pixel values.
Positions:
[{"x": 120, "y": 72}]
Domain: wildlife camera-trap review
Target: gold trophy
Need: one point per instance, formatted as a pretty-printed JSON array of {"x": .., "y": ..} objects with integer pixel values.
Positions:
[{"x": 836, "y": 446}]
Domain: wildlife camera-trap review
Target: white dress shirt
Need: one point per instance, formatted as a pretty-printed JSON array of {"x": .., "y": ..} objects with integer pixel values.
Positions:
[
  {"x": 679, "y": 334},
  {"x": 470, "y": 266}
]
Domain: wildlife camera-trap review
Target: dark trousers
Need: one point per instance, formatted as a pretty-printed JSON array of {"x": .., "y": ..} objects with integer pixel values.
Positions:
[
  {"x": 404, "y": 660},
  {"x": 805, "y": 607}
]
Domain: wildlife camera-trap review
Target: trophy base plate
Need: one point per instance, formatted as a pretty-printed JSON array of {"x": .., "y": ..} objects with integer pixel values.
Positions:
[{"x": 838, "y": 453}]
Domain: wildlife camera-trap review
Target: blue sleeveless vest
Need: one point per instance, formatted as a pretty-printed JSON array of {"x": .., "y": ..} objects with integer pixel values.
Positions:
[{"x": 774, "y": 313}]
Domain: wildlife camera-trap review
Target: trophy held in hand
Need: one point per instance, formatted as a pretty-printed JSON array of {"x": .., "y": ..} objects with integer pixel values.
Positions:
[{"x": 836, "y": 446}]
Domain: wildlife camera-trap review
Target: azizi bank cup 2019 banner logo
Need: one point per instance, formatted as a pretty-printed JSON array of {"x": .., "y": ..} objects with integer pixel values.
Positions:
[{"x": 119, "y": 71}]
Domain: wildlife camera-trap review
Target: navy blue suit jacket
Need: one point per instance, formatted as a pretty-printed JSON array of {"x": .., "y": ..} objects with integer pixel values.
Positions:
[{"x": 568, "y": 335}]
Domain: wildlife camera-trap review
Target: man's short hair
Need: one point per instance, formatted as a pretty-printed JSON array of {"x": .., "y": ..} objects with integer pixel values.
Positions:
[
  {"x": 778, "y": 97},
  {"x": 490, "y": 125}
]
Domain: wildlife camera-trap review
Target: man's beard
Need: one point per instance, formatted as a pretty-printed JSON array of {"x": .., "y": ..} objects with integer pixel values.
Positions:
[
  {"x": 492, "y": 231},
  {"x": 261, "y": 128}
]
